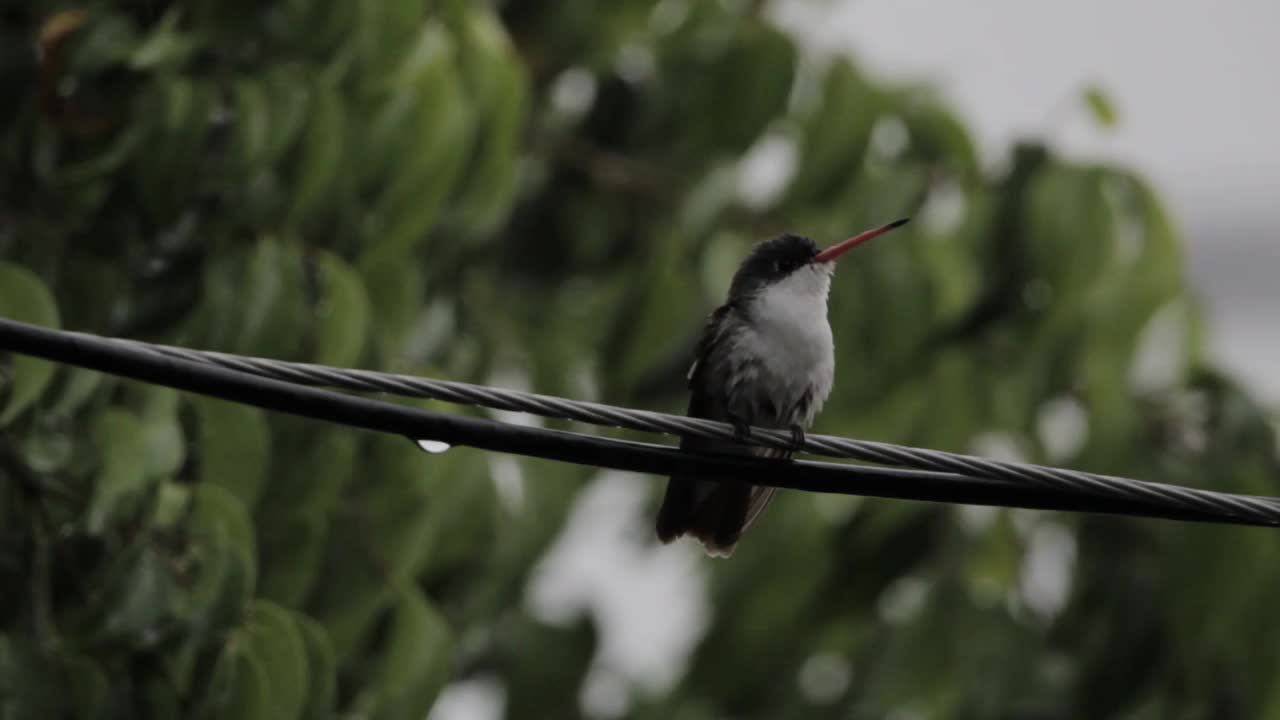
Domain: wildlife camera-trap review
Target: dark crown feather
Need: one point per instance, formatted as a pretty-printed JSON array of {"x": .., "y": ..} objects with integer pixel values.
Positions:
[{"x": 772, "y": 260}]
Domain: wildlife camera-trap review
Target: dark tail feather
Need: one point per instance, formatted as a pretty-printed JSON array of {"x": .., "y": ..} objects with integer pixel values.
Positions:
[
  {"x": 721, "y": 518},
  {"x": 715, "y": 513},
  {"x": 676, "y": 513}
]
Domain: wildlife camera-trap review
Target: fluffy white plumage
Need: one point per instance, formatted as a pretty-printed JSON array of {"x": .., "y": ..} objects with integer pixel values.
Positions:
[{"x": 792, "y": 337}]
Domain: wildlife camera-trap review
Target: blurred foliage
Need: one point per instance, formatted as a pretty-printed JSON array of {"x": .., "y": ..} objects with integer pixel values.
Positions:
[{"x": 561, "y": 191}]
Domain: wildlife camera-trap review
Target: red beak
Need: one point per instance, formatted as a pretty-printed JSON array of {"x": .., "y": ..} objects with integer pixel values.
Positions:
[{"x": 840, "y": 248}]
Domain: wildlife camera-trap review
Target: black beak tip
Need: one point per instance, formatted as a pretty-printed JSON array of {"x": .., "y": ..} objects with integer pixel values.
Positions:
[{"x": 899, "y": 223}]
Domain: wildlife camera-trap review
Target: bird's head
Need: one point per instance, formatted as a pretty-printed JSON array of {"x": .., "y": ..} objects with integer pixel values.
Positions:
[{"x": 795, "y": 261}]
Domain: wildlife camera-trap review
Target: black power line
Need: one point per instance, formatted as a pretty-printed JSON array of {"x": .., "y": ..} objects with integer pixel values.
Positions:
[
  {"x": 209, "y": 374},
  {"x": 648, "y": 421}
]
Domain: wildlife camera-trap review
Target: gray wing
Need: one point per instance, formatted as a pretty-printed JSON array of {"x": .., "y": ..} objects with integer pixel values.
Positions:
[{"x": 717, "y": 513}]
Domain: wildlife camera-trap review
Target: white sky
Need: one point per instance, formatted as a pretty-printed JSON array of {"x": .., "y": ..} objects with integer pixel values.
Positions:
[{"x": 1194, "y": 80}]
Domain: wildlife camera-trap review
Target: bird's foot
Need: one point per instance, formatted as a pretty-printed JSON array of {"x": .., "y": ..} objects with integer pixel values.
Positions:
[
  {"x": 741, "y": 429},
  {"x": 797, "y": 438}
]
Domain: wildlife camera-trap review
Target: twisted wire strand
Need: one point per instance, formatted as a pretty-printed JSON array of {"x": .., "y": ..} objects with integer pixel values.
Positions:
[{"x": 1260, "y": 509}]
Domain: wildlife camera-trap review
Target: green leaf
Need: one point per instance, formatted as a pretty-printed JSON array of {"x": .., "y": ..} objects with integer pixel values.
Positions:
[
  {"x": 395, "y": 525},
  {"x": 253, "y": 123},
  {"x": 226, "y": 554},
  {"x": 350, "y": 592},
  {"x": 179, "y": 111},
  {"x": 417, "y": 661},
  {"x": 111, "y": 158},
  {"x": 388, "y": 121},
  {"x": 500, "y": 88},
  {"x": 383, "y": 32},
  {"x": 148, "y": 599},
  {"x": 463, "y": 516},
  {"x": 757, "y": 71},
  {"x": 239, "y": 688},
  {"x": 47, "y": 448},
  {"x": 271, "y": 300},
  {"x": 310, "y": 465},
  {"x": 322, "y": 153},
  {"x": 317, "y": 479},
  {"x": 235, "y": 447},
  {"x": 1101, "y": 107},
  {"x": 344, "y": 313},
  {"x": 273, "y": 636},
  {"x": 433, "y": 146},
  {"x": 79, "y": 386},
  {"x": 215, "y": 557},
  {"x": 954, "y": 406},
  {"x": 1069, "y": 232},
  {"x": 292, "y": 549},
  {"x": 563, "y": 654},
  {"x": 162, "y": 437},
  {"x": 1160, "y": 261},
  {"x": 939, "y": 137},
  {"x": 328, "y": 26},
  {"x": 399, "y": 508},
  {"x": 290, "y": 97},
  {"x": 406, "y": 489},
  {"x": 322, "y": 668},
  {"x": 665, "y": 293},
  {"x": 173, "y": 500},
  {"x": 25, "y": 298},
  {"x": 166, "y": 46},
  {"x": 106, "y": 40},
  {"x": 994, "y": 565},
  {"x": 121, "y": 471},
  {"x": 395, "y": 294},
  {"x": 834, "y": 135}
]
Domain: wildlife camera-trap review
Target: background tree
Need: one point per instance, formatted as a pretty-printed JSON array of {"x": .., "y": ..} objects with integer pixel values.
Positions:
[{"x": 553, "y": 192}]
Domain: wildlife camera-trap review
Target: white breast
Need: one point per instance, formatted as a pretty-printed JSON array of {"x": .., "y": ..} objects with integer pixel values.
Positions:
[{"x": 792, "y": 336}]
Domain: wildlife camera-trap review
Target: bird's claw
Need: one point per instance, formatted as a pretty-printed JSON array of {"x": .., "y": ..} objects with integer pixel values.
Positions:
[
  {"x": 741, "y": 430},
  {"x": 797, "y": 438}
]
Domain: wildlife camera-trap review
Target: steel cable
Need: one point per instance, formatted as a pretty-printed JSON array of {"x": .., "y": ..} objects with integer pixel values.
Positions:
[
  {"x": 150, "y": 366},
  {"x": 1257, "y": 509}
]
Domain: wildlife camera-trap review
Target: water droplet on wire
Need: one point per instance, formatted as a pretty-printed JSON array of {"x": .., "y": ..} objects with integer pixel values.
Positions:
[{"x": 435, "y": 447}]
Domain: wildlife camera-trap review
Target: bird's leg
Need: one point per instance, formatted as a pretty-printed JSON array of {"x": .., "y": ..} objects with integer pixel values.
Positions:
[
  {"x": 797, "y": 437},
  {"x": 741, "y": 428}
]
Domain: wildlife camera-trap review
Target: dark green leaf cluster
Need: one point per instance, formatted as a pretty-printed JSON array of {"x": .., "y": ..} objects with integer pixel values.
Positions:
[
  {"x": 554, "y": 194},
  {"x": 265, "y": 179}
]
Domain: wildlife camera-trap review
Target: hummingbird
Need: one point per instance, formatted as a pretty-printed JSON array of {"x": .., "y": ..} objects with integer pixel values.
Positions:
[{"x": 765, "y": 358}]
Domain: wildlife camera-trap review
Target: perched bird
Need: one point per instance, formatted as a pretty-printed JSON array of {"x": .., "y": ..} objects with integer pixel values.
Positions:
[{"x": 765, "y": 358}]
